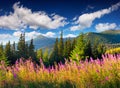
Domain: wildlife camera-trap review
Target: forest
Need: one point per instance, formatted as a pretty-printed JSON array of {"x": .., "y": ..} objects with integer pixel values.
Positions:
[{"x": 71, "y": 49}]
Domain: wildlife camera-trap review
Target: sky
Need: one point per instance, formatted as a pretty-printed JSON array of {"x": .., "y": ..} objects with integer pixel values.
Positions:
[{"x": 50, "y": 17}]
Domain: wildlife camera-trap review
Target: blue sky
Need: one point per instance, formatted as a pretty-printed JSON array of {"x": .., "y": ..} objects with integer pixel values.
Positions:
[{"x": 49, "y": 17}]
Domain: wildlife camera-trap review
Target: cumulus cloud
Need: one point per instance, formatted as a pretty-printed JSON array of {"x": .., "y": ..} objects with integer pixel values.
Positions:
[
  {"x": 29, "y": 35},
  {"x": 105, "y": 26},
  {"x": 49, "y": 34},
  {"x": 4, "y": 38},
  {"x": 86, "y": 20},
  {"x": 23, "y": 17},
  {"x": 70, "y": 35},
  {"x": 33, "y": 34}
]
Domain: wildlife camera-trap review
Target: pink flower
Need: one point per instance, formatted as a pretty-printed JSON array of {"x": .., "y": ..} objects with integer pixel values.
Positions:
[
  {"x": 97, "y": 71},
  {"x": 106, "y": 78}
]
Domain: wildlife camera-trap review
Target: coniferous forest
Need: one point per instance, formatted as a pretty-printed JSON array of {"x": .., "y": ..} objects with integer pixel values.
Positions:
[{"x": 59, "y": 44}]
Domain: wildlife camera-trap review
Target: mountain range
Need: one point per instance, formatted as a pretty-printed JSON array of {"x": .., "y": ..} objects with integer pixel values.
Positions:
[{"x": 106, "y": 37}]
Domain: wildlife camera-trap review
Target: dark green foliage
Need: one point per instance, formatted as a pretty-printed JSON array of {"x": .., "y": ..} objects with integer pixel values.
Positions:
[
  {"x": 2, "y": 54},
  {"x": 81, "y": 49},
  {"x": 39, "y": 54},
  {"x": 11, "y": 54},
  {"x": 46, "y": 57},
  {"x": 21, "y": 46},
  {"x": 97, "y": 49},
  {"x": 31, "y": 50},
  {"x": 67, "y": 48},
  {"x": 61, "y": 47},
  {"x": 8, "y": 52},
  {"x": 14, "y": 53},
  {"x": 54, "y": 57}
]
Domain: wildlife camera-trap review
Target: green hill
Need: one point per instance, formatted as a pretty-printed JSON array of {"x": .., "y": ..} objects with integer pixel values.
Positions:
[{"x": 106, "y": 37}]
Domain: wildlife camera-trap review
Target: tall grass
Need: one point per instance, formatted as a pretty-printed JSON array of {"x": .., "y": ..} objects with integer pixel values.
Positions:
[{"x": 103, "y": 73}]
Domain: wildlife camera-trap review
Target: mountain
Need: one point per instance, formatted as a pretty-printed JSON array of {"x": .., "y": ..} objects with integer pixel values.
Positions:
[
  {"x": 106, "y": 37},
  {"x": 43, "y": 42}
]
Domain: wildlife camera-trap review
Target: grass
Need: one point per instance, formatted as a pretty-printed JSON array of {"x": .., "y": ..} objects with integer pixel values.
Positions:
[{"x": 103, "y": 73}]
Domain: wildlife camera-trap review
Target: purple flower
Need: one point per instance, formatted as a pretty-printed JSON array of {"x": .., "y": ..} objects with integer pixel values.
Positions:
[
  {"x": 97, "y": 71},
  {"x": 106, "y": 78},
  {"x": 14, "y": 75}
]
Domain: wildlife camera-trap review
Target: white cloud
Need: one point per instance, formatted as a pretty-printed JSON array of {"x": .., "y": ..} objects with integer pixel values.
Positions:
[
  {"x": 32, "y": 34},
  {"x": 70, "y": 35},
  {"x": 23, "y": 17},
  {"x": 105, "y": 26},
  {"x": 10, "y": 22},
  {"x": 17, "y": 33},
  {"x": 49, "y": 34},
  {"x": 86, "y": 20},
  {"x": 29, "y": 35},
  {"x": 4, "y": 38}
]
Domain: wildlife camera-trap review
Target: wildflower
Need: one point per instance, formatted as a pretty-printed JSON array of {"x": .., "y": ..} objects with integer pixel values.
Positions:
[
  {"x": 14, "y": 75},
  {"x": 106, "y": 78},
  {"x": 97, "y": 71}
]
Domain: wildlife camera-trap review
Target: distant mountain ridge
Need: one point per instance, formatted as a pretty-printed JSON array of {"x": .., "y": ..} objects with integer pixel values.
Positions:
[
  {"x": 42, "y": 42},
  {"x": 106, "y": 37}
]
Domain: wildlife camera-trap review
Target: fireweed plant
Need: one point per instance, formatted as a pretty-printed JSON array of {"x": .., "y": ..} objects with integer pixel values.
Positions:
[{"x": 104, "y": 73}]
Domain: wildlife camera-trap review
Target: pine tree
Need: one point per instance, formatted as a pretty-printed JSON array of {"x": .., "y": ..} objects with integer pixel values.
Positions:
[
  {"x": 79, "y": 52},
  {"x": 45, "y": 57},
  {"x": 95, "y": 49},
  {"x": 8, "y": 52},
  {"x": 73, "y": 44},
  {"x": 14, "y": 54},
  {"x": 61, "y": 47},
  {"x": 40, "y": 54},
  {"x": 31, "y": 50},
  {"x": 26, "y": 50},
  {"x": 2, "y": 54},
  {"x": 67, "y": 48},
  {"x": 88, "y": 51},
  {"x": 101, "y": 50},
  {"x": 21, "y": 46},
  {"x": 54, "y": 57}
]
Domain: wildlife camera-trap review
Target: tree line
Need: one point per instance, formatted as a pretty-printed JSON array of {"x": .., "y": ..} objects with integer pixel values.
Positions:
[
  {"x": 11, "y": 52},
  {"x": 76, "y": 49}
]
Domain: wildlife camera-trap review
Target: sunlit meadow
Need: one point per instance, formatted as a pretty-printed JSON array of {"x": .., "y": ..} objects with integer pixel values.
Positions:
[{"x": 104, "y": 73}]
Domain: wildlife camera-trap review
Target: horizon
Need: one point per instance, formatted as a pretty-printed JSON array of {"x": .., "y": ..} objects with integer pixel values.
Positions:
[{"x": 48, "y": 18}]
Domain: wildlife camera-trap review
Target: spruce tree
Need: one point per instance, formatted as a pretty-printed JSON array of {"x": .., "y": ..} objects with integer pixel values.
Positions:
[
  {"x": 26, "y": 50},
  {"x": 2, "y": 54},
  {"x": 79, "y": 51},
  {"x": 14, "y": 54},
  {"x": 21, "y": 46},
  {"x": 61, "y": 47},
  {"x": 31, "y": 49},
  {"x": 88, "y": 51},
  {"x": 54, "y": 57},
  {"x": 45, "y": 56},
  {"x": 39, "y": 54},
  {"x": 8, "y": 52}
]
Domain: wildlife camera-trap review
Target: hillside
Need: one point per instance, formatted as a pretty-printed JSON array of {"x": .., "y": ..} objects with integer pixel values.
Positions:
[
  {"x": 42, "y": 42},
  {"x": 106, "y": 37}
]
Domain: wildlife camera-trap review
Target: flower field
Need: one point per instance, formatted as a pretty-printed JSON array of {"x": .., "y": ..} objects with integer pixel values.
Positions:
[{"x": 103, "y": 73}]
